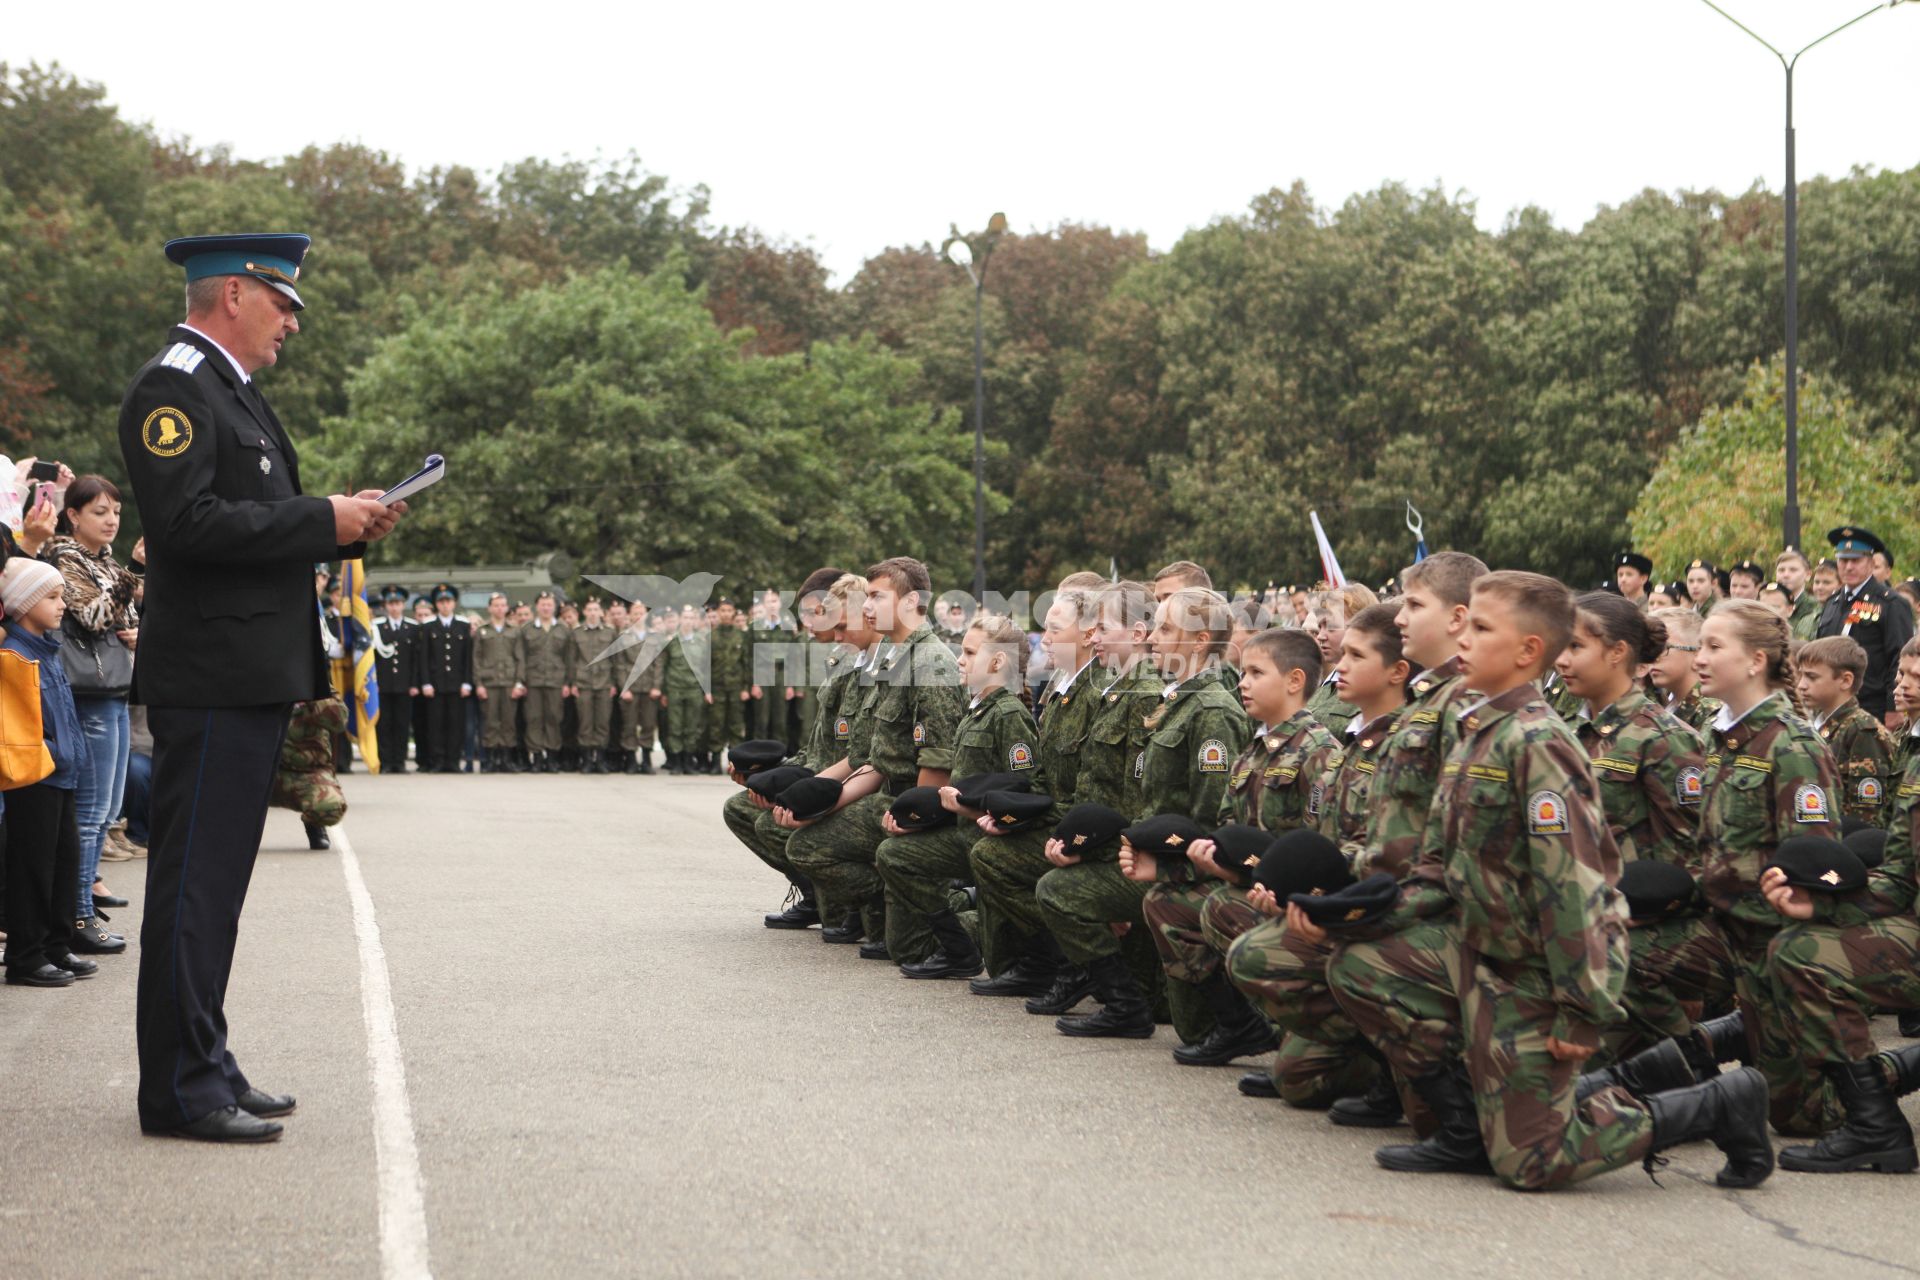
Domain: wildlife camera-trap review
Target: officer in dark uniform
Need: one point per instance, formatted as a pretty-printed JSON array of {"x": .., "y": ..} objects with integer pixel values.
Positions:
[
  {"x": 228, "y": 643},
  {"x": 1865, "y": 609},
  {"x": 446, "y": 681},
  {"x": 395, "y": 667}
]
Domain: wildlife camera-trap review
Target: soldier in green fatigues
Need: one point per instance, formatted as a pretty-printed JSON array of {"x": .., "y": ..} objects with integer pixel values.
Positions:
[
  {"x": 1523, "y": 957},
  {"x": 996, "y": 734},
  {"x": 636, "y": 713},
  {"x": 1793, "y": 572},
  {"x": 770, "y": 658},
  {"x": 1829, "y": 672},
  {"x": 545, "y": 674},
  {"x": 496, "y": 674},
  {"x": 914, "y": 707},
  {"x": 593, "y": 685},
  {"x": 682, "y": 697},
  {"x": 730, "y": 681},
  {"x": 1275, "y": 785}
]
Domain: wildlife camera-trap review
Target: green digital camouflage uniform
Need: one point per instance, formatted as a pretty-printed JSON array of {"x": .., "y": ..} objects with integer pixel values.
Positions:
[
  {"x": 996, "y": 736},
  {"x": 1768, "y": 777},
  {"x": 1859, "y": 955},
  {"x": 1805, "y": 619},
  {"x": 546, "y": 664},
  {"x": 496, "y": 669},
  {"x": 1650, "y": 770},
  {"x": 1906, "y": 748},
  {"x": 594, "y": 679},
  {"x": 1535, "y": 946},
  {"x": 683, "y": 663},
  {"x": 304, "y": 780},
  {"x": 1329, "y": 708},
  {"x": 1863, "y": 753},
  {"x": 1285, "y": 976},
  {"x": 728, "y": 677},
  {"x": 1007, "y": 869},
  {"x": 913, "y": 709}
]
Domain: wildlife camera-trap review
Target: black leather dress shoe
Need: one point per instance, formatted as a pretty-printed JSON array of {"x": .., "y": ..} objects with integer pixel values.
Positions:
[
  {"x": 264, "y": 1105},
  {"x": 109, "y": 900},
  {"x": 228, "y": 1124},
  {"x": 91, "y": 937},
  {"x": 47, "y": 975},
  {"x": 78, "y": 966},
  {"x": 874, "y": 951}
]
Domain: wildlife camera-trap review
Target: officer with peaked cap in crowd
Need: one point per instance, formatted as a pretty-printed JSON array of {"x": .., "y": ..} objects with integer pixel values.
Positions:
[
  {"x": 446, "y": 681},
  {"x": 1863, "y": 608},
  {"x": 227, "y": 644},
  {"x": 396, "y": 674}
]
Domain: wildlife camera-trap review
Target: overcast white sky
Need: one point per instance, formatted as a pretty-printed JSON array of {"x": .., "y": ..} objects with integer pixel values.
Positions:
[{"x": 853, "y": 126}]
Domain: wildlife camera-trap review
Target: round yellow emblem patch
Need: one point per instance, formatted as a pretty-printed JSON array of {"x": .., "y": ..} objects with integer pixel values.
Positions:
[{"x": 166, "y": 432}]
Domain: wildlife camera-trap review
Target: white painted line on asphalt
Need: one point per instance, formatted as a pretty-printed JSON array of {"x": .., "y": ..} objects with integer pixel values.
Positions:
[{"x": 403, "y": 1206}]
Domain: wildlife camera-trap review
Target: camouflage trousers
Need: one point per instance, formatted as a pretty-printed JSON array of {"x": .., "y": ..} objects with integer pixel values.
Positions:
[
  {"x": 686, "y": 720},
  {"x": 1680, "y": 973},
  {"x": 1421, "y": 996},
  {"x": 1799, "y": 1103},
  {"x": 766, "y": 841},
  {"x": 1321, "y": 1057},
  {"x": 1194, "y": 924},
  {"x": 1008, "y": 871},
  {"x": 919, "y": 869},
  {"x": 1082, "y": 903},
  {"x": 838, "y": 854},
  {"x": 1828, "y": 980},
  {"x": 314, "y": 794}
]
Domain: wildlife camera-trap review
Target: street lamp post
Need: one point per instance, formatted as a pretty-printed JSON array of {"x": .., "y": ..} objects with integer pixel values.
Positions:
[
  {"x": 972, "y": 253},
  {"x": 1790, "y": 518}
]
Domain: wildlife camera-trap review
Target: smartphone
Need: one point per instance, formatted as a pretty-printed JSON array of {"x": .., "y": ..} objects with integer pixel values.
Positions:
[{"x": 44, "y": 471}]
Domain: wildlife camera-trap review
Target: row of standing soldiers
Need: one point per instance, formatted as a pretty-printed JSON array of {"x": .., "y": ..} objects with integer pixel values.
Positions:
[{"x": 543, "y": 688}]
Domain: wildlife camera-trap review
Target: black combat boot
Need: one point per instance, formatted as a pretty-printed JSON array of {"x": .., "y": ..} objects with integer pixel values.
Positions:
[
  {"x": 1646, "y": 1073},
  {"x": 1259, "y": 1084},
  {"x": 1875, "y": 1136},
  {"x": 1455, "y": 1146},
  {"x": 1910, "y": 1024},
  {"x": 1070, "y": 986},
  {"x": 849, "y": 931},
  {"x": 1379, "y": 1107},
  {"x": 1125, "y": 1012},
  {"x": 713, "y": 762},
  {"x": 317, "y": 836},
  {"x": 1730, "y": 1109},
  {"x": 487, "y": 757},
  {"x": 1715, "y": 1041},
  {"x": 954, "y": 957},
  {"x": 800, "y": 911},
  {"x": 1031, "y": 973},
  {"x": 1239, "y": 1029},
  {"x": 646, "y": 761}
]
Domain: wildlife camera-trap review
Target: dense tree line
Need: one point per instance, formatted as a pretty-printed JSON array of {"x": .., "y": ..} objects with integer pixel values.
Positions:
[{"x": 621, "y": 378}]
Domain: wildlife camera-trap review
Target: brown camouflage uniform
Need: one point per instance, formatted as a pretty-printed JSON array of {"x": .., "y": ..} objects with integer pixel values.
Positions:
[
  {"x": 1863, "y": 752},
  {"x": 305, "y": 781}
]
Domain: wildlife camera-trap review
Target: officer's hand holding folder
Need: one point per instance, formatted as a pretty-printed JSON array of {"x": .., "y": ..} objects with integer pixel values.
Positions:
[{"x": 429, "y": 474}]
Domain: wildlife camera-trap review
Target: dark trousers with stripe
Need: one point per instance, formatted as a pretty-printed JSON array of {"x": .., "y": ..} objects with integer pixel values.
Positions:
[
  {"x": 212, "y": 775},
  {"x": 396, "y": 719}
]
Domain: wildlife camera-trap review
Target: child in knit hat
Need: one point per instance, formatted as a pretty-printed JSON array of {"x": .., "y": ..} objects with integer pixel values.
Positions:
[{"x": 43, "y": 841}]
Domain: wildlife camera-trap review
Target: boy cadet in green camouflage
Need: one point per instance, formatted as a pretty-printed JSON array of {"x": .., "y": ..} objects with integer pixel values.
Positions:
[
  {"x": 730, "y": 679},
  {"x": 1649, "y": 768},
  {"x": 496, "y": 671},
  {"x": 914, "y": 708},
  {"x": 1327, "y": 620},
  {"x": 995, "y": 735},
  {"x": 1275, "y": 784},
  {"x": 546, "y": 671},
  {"x": 1323, "y": 1059},
  {"x": 1841, "y": 958},
  {"x": 1531, "y": 959},
  {"x": 1829, "y": 674},
  {"x": 593, "y": 685},
  {"x": 683, "y": 698},
  {"x": 1020, "y": 953}
]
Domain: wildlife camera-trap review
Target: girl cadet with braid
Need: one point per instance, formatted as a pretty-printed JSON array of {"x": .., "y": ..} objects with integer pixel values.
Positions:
[
  {"x": 1649, "y": 767},
  {"x": 996, "y": 734}
]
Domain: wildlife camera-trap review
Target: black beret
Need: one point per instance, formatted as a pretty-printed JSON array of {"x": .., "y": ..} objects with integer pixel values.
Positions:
[
  {"x": 1655, "y": 890},
  {"x": 1634, "y": 560},
  {"x": 919, "y": 809},
  {"x": 1237, "y": 849},
  {"x": 768, "y": 783},
  {"x": 1849, "y": 823},
  {"x": 1016, "y": 810},
  {"x": 1869, "y": 844},
  {"x": 1819, "y": 863},
  {"x": 973, "y": 790},
  {"x": 1167, "y": 835},
  {"x": 1749, "y": 568},
  {"x": 811, "y": 797},
  {"x": 755, "y": 753},
  {"x": 1305, "y": 862},
  {"x": 1088, "y": 828},
  {"x": 1357, "y": 904}
]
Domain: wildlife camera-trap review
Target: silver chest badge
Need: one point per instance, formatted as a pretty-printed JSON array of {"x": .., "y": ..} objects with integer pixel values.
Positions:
[{"x": 266, "y": 466}]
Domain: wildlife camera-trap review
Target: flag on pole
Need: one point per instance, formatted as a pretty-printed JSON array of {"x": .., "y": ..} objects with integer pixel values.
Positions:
[
  {"x": 1329, "y": 567},
  {"x": 362, "y": 694},
  {"x": 1417, "y": 526}
]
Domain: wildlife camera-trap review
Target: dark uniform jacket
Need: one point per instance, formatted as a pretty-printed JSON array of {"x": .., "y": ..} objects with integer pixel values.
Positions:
[
  {"x": 400, "y": 672},
  {"x": 1879, "y": 620},
  {"x": 446, "y": 655},
  {"x": 231, "y": 542}
]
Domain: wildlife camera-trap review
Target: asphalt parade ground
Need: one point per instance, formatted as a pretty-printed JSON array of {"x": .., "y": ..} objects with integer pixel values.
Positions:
[{"x": 536, "y": 1028}]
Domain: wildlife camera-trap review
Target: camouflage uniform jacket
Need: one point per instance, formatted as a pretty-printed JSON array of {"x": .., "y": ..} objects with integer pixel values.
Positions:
[
  {"x": 1863, "y": 752},
  {"x": 1527, "y": 855},
  {"x": 1329, "y": 708},
  {"x": 1696, "y": 711},
  {"x": 997, "y": 735},
  {"x": 496, "y": 656},
  {"x": 837, "y": 698},
  {"x": 1407, "y": 774},
  {"x": 1769, "y": 777},
  {"x": 1116, "y": 735},
  {"x": 915, "y": 705},
  {"x": 1193, "y": 736},
  {"x": 1890, "y": 886},
  {"x": 546, "y": 659},
  {"x": 1343, "y": 811},
  {"x": 1650, "y": 768},
  {"x": 1067, "y": 712},
  {"x": 1279, "y": 781},
  {"x": 310, "y": 731},
  {"x": 729, "y": 663}
]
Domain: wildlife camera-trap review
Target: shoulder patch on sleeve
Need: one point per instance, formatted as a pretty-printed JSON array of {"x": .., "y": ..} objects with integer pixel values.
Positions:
[
  {"x": 1020, "y": 756},
  {"x": 1546, "y": 814},
  {"x": 1868, "y": 791},
  {"x": 1688, "y": 785},
  {"x": 919, "y": 734},
  {"x": 166, "y": 433},
  {"x": 1213, "y": 756},
  {"x": 1809, "y": 803}
]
